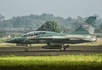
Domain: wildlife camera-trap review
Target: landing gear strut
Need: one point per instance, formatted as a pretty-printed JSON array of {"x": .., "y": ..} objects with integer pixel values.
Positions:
[{"x": 63, "y": 48}]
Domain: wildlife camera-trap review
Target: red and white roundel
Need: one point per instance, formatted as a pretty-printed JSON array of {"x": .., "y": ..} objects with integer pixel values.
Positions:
[{"x": 86, "y": 26}]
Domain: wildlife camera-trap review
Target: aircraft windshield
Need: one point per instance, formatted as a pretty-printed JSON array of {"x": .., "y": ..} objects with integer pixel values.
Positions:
[
  {"x": 33, "y": 33},
  {"x": 38, "y": 33},
  {"x": 24, "y": 35}
]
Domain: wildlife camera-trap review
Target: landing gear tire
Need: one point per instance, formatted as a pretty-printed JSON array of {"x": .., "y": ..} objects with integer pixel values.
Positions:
[
  {"x": 26, "y": 49},
  {"x": 67, "y": 46},
  {"x": 63, "y": 48}
]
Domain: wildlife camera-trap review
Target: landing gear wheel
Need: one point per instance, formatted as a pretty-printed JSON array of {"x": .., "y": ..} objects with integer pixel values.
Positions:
[
  {"x": 67, "y": 46},
  {"x": 63, "y": 48},
  {"x": 26, "y": 49}
]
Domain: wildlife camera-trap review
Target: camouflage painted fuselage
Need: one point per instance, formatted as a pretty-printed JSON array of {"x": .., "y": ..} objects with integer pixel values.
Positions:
[{"x": 52, "y": 38}]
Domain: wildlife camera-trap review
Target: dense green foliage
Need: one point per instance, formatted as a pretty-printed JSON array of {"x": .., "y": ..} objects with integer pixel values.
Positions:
[
  {"x": 50, "y": 26},
  {"x": 78, "y": 62},
  {"x": 33, "y": 22}
]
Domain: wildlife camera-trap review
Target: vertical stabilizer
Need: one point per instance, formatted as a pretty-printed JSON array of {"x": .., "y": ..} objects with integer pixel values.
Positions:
[{"x": 88, "y": 26}]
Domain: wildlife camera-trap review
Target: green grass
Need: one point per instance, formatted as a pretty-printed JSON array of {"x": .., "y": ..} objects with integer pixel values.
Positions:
[{"x": 75, "y": 62}]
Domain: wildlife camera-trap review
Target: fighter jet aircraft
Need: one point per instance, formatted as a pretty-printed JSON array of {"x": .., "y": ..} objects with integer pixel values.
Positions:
[{"x": 84, "y": 34}]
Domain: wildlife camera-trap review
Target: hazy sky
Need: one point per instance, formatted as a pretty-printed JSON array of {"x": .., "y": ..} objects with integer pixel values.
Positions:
[{"x": 62, "y": 8}]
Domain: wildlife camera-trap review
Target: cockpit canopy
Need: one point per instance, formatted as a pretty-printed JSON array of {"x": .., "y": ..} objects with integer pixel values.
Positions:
[{"x": 34, "y": 33}]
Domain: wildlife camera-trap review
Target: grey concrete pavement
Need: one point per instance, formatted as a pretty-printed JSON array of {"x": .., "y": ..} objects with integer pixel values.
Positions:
[{"x": 39, "y": 51}]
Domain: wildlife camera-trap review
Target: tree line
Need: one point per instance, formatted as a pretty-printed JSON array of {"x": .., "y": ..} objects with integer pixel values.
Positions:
[{"x": 34, "y": 22}]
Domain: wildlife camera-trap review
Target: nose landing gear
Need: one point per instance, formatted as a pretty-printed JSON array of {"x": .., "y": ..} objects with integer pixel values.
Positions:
[{"x": 25, "y": 49}]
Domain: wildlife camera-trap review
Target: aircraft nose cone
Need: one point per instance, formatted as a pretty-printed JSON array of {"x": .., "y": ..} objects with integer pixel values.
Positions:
[
  {"x": 10, "y": 40},
  {"x": 7, "y": 41},
  {"x": 15, "y": 40}
]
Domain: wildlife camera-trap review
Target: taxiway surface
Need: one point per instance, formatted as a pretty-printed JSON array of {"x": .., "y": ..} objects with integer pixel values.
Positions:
[{"x": 39, "y": 51}]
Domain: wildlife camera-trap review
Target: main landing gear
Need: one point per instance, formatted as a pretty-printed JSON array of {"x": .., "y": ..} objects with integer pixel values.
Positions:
[
  {"x": 63, "y": 48},
  {"x": 26, "y": 49}
]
